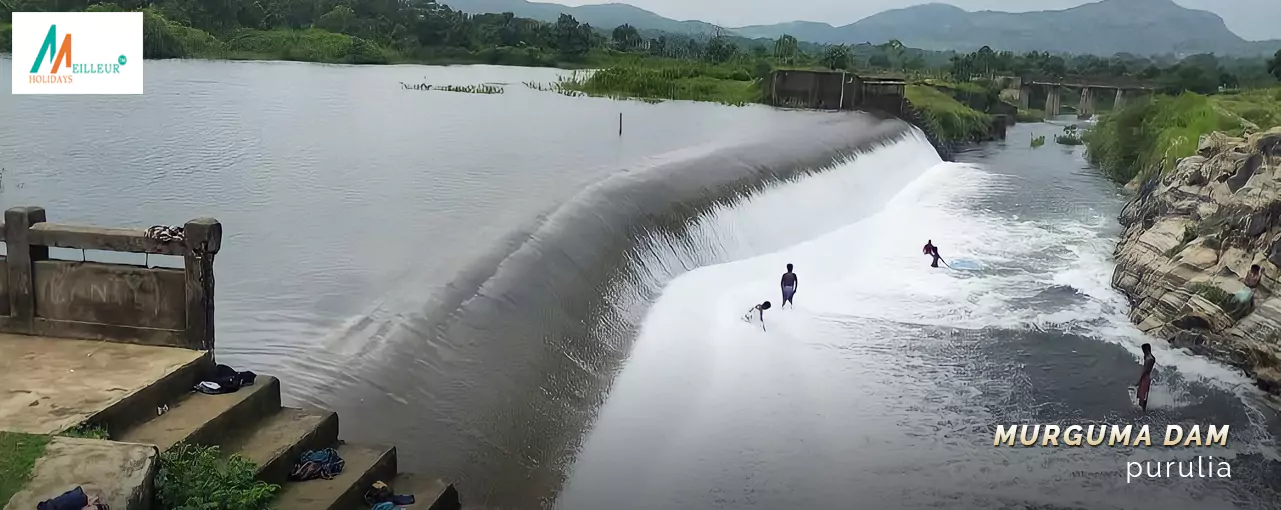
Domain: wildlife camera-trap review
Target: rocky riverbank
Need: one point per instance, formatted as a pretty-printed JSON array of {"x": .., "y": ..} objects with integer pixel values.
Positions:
[{"x": 1189, "y": 240}]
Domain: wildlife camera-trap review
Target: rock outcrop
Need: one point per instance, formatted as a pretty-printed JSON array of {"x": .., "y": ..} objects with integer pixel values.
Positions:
[{"x": 1189, "y": 240}]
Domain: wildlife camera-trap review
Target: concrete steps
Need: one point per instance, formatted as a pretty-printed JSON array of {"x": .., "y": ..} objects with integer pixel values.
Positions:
[
  {"x": 429, "y": 493},
  {"x": 251, "y": 422},
  {"x": 205, "y": 419},
  {"x": 363, "y": 466},
  {"x": 279, "y": 439}
]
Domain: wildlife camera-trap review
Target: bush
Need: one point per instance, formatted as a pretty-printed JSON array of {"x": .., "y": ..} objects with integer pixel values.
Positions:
[
  {"x": 159, "y": 39},
  {"x": 695, "y": 82},
  {"x": 194, "y": 477},
  {"x": 1147, "y": 137},
  {"x": 1030, "y": 116},
  {"x": 6, "y": 38},
  {"x": 946, "y": 118},
  {"x": 87, "y": 432}
]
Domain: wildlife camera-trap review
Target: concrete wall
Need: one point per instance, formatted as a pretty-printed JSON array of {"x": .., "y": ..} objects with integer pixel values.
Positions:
[
  {"x": 814, "y": 89},
  {"x": 111, "y": 294},
  {"x": 109, "y": 302},
  {"x": 833, "y": 90}
]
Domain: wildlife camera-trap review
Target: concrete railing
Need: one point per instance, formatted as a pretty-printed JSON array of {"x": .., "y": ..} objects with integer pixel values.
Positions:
[{"x": 101, "y": 301}]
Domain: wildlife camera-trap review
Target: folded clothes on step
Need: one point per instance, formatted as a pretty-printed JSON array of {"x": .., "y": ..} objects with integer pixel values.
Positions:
[{"x": 226, "y": 380}]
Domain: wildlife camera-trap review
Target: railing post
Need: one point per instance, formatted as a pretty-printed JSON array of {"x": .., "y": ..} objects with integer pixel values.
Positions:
[
  {"x": 203, "y": 238},
  {"x": 21, "y": 256}
]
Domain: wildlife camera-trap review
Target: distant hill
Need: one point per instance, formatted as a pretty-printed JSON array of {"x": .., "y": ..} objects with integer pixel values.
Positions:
[
  {"x": 1144, "y": 27},
  {"x": 606, "y": 16}
]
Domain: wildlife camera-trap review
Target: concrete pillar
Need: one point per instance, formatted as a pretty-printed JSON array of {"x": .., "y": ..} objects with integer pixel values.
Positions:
[
  {"x": 1025, "y": 96},
  {"x": 1119, "y": 102},
  {"x": 22, "y": 256},
  {"x": 1086, "y": 106},
  {"x": 1053, "y": 100}
]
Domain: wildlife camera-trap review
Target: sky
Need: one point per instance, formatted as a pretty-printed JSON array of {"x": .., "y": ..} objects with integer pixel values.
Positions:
[{"x": 1251, "y": 19}]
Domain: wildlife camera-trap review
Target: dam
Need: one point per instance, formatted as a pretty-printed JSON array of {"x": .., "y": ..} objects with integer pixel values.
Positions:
[{"x": 546, "y": 314}]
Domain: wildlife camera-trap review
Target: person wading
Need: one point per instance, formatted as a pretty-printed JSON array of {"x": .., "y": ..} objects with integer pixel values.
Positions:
[
  {"x": 1145, "y": 379},
  {"x": 933, "y": 251},
  {"x": 788, "y": 284}
]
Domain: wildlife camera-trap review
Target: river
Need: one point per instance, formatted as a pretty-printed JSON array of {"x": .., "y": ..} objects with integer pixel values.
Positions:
[{"x": 523, "y": 299}]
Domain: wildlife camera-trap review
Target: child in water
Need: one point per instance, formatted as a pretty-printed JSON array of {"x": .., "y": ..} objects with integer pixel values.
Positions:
[{"x": 758, "y": 309}]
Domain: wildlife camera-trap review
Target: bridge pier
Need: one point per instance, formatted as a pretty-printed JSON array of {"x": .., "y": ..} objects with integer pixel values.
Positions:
[
  {"x": 1053, "y": 100},
  {"x": 1119, "y": 102},
  {"x": 1086, "y": 107},
  {"x": 1025, "y": 96}
]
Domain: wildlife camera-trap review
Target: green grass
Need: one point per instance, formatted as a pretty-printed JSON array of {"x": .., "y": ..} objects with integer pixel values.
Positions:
[
  {"x": 945, "y": 117},
  {"x": 18, "y": 454},
  {"x": 1147, "y": 137},
  {"x": 1212, "y": 293},
  {"x": 1030, "y": 115},
  {"x": 198, "y": 477},
  {"x": 733, "y": 85},
  {"x": 86, "y": 432}
]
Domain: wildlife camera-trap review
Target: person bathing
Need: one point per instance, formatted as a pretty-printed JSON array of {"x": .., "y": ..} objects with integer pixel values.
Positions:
[
  {"x": 789, "y": 287},
  {"x": 1145, "y": 378},
  {"x": 758, "y": 310},
  {"x": 933, "y": 251}
]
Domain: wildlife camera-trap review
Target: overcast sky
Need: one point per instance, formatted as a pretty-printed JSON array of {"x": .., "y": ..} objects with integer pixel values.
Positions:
[{"x": 1251, "y": 19}]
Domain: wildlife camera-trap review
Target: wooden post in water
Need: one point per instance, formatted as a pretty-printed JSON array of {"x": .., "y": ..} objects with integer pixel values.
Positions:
[
  {"x": 620, "y": 123},
  {"x": 841, "y": 106}
]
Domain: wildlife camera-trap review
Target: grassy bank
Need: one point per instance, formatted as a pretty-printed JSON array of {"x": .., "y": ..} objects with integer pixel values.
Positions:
[
  {"x": 726, "y": 84},
  {"x": 945, "y": 117},
  {"x": 18, "y": 454},
  {"x": 1148, "y": 137}
]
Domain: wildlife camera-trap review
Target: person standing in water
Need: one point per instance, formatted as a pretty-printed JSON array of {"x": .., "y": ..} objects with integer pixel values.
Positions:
[
  {"x": 1145, "y": 379},
  {"x": 758, "y": 309},
  {"x": 933, "y": 251},
  {"x": 789, "y": 287}
]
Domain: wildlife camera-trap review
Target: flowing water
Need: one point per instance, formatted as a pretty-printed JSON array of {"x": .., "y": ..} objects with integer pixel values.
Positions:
[{"x": 524, "y": 300}]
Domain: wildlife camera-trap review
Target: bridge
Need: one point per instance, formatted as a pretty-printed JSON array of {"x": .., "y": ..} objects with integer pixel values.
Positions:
[{"x": 1052, "y": 89}]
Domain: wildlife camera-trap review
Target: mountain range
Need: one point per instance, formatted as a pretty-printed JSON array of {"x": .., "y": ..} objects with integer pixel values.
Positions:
[{"x": 1141, "y": 27}]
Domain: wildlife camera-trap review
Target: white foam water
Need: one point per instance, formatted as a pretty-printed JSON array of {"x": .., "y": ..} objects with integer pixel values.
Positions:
[{"x": 703, "y": 392}]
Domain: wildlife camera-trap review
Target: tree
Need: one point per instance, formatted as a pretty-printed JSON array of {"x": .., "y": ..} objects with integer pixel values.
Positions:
[
  {"x": 1274, "y": 66},
  {"x": 836, "y": 57},
  {"x": 338, "y": 20},
  {"x": 719, "y": 50},
  {"x": 626, "y": 37},
  {"x": 880, "y": 62},
  {"x": 571, "y": 40},
  {"x": 785, "y": 49}
]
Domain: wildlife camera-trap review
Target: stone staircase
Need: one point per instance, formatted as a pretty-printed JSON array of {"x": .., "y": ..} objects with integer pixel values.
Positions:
[{"x": 251, "y": 422}]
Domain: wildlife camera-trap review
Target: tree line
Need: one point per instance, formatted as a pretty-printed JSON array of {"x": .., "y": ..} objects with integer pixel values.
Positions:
[
  {"x": 1202, "y": 73},
  {"x": 413, "y": 28}
]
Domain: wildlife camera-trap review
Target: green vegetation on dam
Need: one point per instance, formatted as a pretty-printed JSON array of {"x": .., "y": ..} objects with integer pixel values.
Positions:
[{"x": 1149, "y": 137}]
